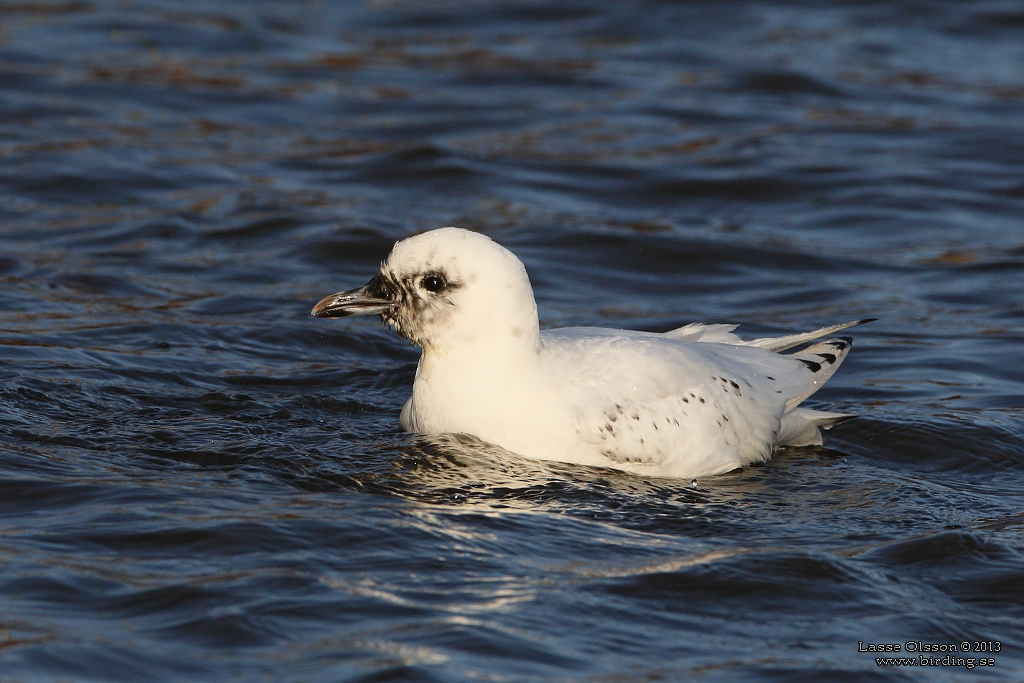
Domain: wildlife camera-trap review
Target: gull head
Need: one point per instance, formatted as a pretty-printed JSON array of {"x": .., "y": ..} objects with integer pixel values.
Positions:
[{"x": 445, "y": 288}]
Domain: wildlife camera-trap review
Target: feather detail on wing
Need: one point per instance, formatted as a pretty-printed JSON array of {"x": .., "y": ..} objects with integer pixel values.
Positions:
[
  {"x": 718, "y": 333},
  {"x": 711, "y": 401},
  {"x": 703, "y": 332},
  {"x": 782, "y": 343}
]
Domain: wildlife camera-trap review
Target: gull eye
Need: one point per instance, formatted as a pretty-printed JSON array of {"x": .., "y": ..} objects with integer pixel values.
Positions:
[{"x": 433, "y": 283}]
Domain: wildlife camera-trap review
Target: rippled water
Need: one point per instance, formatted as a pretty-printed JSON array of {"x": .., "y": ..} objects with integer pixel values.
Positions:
[{"x": 199, "y": 482}]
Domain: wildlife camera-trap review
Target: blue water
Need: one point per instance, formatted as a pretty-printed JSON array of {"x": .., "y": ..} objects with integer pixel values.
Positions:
[{"x": 199, "y": 482}]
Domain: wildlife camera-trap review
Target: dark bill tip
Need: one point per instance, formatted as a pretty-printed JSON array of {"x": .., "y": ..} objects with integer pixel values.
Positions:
[{"x": 352, "y": 302}]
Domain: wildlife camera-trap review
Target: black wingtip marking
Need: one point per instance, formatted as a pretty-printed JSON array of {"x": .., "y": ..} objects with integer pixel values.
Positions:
[
  {"x": 840, "y": 343},
  {"x": 827, "y": 357},
  {"x": 866, "y": 320},
  {"x": 811, "y": 365}
]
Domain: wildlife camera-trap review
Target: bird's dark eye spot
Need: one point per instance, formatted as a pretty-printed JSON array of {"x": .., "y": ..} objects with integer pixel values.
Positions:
[{"x": 433, "y": 283}]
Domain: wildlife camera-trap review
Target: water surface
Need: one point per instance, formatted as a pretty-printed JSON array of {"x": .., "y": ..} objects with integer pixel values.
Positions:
[{"x": 199, "y": 482}]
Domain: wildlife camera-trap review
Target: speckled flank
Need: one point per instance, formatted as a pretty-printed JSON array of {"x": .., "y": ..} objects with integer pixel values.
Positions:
[{"x": 661, "y": 430}]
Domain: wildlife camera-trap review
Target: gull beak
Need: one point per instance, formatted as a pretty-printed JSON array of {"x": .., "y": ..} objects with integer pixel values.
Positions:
[{"x": 353, "y": 302}]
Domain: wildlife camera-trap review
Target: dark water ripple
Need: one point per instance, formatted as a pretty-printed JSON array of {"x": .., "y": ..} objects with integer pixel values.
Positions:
[{"x": 199, "y": 482}]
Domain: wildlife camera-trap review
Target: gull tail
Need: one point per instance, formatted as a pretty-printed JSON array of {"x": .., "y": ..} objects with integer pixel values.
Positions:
[{"x": 802, "y": 426}]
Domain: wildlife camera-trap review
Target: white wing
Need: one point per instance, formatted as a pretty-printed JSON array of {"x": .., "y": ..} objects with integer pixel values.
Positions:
[
  {"x": 702, "y": 408},
  {"x": 642, "y": 398}
]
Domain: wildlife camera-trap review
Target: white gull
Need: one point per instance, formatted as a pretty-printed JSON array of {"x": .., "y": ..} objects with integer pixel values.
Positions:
[{"x": 690, "y": 402}]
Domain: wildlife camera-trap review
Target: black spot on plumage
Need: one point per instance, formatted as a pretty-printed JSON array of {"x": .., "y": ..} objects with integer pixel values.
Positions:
[
  {"x": 701, "y": 399},
  {"x": 734, "y": 385},
  {"x": 811, "y": 365},
  {"x": 685, "y": 400},
  {"x": 770, "y": 377}
]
